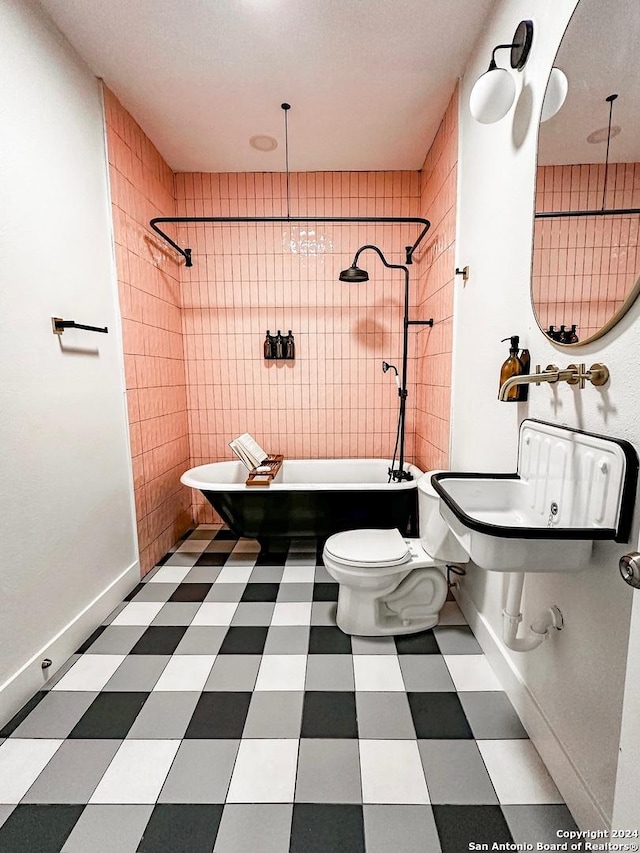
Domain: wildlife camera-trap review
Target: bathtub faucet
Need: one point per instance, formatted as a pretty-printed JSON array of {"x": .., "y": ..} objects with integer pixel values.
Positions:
[{"x": 398, "y": 475}]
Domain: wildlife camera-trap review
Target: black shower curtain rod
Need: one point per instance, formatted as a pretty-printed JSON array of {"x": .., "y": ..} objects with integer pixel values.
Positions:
[
  {"x": 384, "y": 220},
  {"x": 620, "y": 211}
]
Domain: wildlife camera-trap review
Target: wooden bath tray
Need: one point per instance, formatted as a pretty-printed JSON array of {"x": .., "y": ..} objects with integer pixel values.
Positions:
[{"x": 274, "y": 462}]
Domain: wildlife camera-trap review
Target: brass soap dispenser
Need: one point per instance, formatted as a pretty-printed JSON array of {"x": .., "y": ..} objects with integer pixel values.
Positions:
[{"x": 511, "y": 367}]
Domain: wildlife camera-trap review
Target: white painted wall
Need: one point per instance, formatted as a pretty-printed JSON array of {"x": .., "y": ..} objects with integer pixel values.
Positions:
[
  {"x": 625, "y": 807},
  {"x": 570, "y": 690},
  {"x": 66, "y": 513}
]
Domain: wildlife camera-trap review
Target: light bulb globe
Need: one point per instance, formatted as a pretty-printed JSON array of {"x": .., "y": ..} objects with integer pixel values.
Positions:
[
  {"x": 555, "y": 94},
  {"x": 492, "y": 96}
]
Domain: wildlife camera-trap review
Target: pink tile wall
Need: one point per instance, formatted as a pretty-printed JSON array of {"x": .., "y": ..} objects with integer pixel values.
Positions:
[
  {"x": 142, "y": 186},
  {"x": 193, "y": 336},
  {"x": 435, "y": 266},
  {"x": 583, "y": 268},
  {"x": 334, "y": 400}
]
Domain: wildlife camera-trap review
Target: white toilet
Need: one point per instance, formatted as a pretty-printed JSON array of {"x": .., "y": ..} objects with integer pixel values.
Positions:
[{"x": 390, "y": 584}]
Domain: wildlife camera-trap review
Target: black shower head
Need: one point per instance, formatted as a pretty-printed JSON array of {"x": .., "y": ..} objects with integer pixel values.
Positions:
[{"x": 354, "y": 275}]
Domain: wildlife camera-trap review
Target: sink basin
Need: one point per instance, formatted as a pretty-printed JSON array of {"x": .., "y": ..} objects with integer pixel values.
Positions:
[{"x": 570, "y": 489}]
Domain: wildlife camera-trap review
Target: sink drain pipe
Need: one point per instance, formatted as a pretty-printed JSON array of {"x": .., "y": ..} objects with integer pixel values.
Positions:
[{"x": 512, "y": 617}]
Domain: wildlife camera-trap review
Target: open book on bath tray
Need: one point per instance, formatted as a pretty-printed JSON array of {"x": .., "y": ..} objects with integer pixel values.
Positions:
[{"x": 262, "y": 466}]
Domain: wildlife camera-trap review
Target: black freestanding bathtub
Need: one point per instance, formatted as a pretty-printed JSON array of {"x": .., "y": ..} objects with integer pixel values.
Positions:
[{"x": 309, "y": 498}]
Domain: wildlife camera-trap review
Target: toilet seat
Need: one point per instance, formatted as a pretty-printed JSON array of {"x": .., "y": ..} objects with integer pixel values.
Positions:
[{"x": 376, "y": 549}]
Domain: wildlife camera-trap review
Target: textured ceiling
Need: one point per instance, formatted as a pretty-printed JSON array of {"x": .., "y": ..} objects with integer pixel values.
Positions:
[
  {"x": 368, "y": 80},
  {"x": 599, "y": 54}
]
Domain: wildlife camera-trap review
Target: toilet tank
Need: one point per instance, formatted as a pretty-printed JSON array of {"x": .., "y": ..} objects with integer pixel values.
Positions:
[{"x": 435, "y": 536}]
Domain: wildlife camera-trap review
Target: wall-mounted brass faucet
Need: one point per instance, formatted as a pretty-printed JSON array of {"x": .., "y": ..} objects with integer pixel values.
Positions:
[{"x": 574, "y": 374}]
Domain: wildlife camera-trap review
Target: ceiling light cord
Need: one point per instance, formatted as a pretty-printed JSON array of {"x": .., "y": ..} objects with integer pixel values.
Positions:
[
  {"x": 286, "y": 108},
  {"x": 611, "y": 99}
]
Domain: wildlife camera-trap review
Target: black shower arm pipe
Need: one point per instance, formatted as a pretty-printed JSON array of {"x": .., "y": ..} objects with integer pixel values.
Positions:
[
  {"x": 406, "y": 322},
  {"x": 382, "y": 220}
]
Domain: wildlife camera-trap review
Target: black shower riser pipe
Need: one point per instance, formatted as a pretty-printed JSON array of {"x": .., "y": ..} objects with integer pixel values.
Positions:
[{"x": 199, "y": 220}]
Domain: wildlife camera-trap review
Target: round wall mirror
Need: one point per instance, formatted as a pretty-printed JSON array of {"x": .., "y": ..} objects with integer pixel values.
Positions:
[{"x": 586, "y": 261}]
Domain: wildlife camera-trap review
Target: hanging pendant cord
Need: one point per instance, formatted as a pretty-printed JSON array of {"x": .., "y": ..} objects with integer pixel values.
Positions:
[
  {"x": 286, "y": 108},
  {"x": 611, "y": 99}
]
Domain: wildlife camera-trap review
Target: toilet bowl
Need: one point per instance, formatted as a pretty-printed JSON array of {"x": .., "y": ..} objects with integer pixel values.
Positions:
[{"x": 389, "y": 584}]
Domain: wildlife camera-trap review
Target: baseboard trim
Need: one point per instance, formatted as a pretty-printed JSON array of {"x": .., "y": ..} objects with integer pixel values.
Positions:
[
  {"x": 31, "y": 678},
  {"x": 586, "y": 811}
]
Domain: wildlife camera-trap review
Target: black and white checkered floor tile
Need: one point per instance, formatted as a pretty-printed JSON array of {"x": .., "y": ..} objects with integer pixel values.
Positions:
[{"x": 221, "y": 709}]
